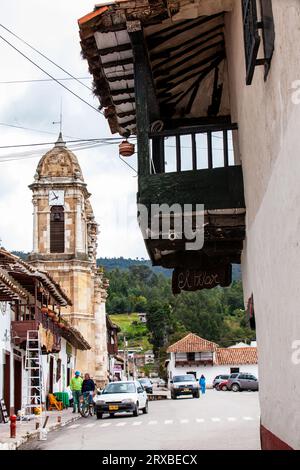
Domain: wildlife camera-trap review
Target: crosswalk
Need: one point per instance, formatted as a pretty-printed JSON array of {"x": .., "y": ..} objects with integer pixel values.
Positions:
[{"x": 166, "y": 422}]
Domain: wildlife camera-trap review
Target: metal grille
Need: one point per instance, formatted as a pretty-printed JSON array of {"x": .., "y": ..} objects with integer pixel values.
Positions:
[{"x": 251, "y": 37}]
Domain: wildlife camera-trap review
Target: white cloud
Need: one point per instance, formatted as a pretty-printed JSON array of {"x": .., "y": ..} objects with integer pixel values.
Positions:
[{"x": 52, "y": 28}]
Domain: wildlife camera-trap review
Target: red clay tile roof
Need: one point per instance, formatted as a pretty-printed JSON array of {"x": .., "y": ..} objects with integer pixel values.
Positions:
[
  {"x": 192, "y": 343},
  {"x": 233, "y": 356}
]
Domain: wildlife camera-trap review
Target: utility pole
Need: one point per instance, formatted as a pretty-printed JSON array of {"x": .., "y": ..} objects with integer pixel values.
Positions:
[{"x": 126, "y": 357}]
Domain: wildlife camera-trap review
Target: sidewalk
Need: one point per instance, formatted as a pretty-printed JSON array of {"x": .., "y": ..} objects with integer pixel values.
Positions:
[{"x": 27, "y": 429}]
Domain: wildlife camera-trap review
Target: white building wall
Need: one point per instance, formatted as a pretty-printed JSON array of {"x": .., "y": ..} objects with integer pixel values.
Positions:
[
  {"x": 209, "y": 372},
  {"x": 268, "y": 117}
]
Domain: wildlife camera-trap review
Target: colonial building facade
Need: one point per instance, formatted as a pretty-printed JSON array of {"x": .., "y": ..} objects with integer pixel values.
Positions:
[
  {"x": 227, "y": 72},
  {"x": 197, "y": 356},
  {"x": 65, "y": 245},
  {"x": 31, "y": 305}
]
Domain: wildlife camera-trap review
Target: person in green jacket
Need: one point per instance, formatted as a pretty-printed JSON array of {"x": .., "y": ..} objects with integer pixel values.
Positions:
[{"x": 75, "y": 386}]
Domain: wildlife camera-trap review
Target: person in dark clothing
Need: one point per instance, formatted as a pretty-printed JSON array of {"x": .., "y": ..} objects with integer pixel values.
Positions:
[{"x": 88, "y": 387}]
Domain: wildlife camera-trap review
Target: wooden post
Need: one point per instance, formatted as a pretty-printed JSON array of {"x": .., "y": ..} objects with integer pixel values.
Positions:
[{"x": 141, "y": 98}]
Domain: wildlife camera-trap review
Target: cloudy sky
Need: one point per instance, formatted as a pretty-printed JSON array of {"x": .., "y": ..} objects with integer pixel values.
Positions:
[{"x": 51, "y": 27}]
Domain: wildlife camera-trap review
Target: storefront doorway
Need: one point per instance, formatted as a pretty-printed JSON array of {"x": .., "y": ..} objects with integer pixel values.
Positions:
[
  {"x": 17, "y": 384},
  {"x": 6, "y": 381}
]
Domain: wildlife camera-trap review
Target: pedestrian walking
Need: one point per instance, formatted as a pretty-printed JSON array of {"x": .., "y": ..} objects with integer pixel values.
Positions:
[
  {"x": 88, "y": 387},
  {"x": 75, "y": 386},
  {"x": 202, "y": 383}
]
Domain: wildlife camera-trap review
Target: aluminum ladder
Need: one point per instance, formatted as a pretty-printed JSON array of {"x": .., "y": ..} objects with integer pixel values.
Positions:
[{"x": 33, "y": 366}]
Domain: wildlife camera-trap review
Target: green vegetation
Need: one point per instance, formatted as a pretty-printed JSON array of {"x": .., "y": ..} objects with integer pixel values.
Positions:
[
  {"x": 136, "y": 333},
  {"x": 217, "y": 315}
]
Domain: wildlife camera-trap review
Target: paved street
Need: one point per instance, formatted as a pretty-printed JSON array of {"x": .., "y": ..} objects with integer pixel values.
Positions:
[{"x": 219, "y": 420}]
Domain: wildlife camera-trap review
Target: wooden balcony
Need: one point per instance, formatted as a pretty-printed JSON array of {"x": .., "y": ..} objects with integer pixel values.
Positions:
[
  {"x": 196, "y": 363},
  {"x": 193, "y": 166},
  {"x": 21, "y": 327}
]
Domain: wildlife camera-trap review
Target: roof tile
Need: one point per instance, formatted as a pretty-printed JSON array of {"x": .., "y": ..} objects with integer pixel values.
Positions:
[{"x": 192, "y": 343}]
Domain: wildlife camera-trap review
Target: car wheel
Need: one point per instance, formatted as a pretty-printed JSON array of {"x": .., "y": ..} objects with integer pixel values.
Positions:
[
  {"x": 99, "y": 415},
  {"x": 145, "y": 410},
  {"x": 196, "y": 395},
  {"x": 173, "y": 396},
  {"x": 235, "y": 388},
  {"x": 224, "y": 388},
  {"x": 111, "y": 415},
  {"x": 136, "y": 410}
]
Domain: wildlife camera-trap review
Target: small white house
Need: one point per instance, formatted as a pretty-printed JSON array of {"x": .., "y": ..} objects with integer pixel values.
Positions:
[{"x": 197, "y": 356}]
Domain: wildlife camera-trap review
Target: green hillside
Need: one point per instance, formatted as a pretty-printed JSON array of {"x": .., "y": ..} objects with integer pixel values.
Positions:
[{"x": 136, "y": 333}]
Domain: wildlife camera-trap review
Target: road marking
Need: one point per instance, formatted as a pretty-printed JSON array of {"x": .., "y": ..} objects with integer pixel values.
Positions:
[
  {"x": 104, "y": 425},
  {"x": 74, "y": 426},
  {"x": 121, "y": 424},
  {"x": 248, "y": 418},
  {"x": 90, "y": 425},
  {"x": 231, "y": 419},
  {"x": 215, "y": 420},
  {"x": 184, "y": 421},
  {"x": 136, "y": 423},
  {"x": 200, "y": 420},
  {"x": 152, "y": 422},
  {"x": 169, "y": 421}
]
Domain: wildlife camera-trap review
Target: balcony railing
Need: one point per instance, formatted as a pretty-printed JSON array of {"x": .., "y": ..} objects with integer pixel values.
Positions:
[
  {"x": 31, "y": 320},
  {"x": 193, "y": 166},
  {"x": 192, "y": 149},
  {"x": 194, "y": 363}
]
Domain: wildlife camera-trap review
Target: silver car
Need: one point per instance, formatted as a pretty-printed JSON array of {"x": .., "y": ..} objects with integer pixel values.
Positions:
[
  {"x": 242, "y": 381},
  {"x": 220, "y": 378}
]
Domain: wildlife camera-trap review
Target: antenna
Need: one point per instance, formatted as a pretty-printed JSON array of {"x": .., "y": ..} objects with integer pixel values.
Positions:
[{"x": 60, "y": 122}]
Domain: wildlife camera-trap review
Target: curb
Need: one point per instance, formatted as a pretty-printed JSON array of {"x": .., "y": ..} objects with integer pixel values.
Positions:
[{"x": 33, "y": 435}]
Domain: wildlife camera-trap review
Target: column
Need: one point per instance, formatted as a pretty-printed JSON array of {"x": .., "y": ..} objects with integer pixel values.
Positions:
[
  {"x": 35, "y": 246},
  {"x": 79, "y": 234}
]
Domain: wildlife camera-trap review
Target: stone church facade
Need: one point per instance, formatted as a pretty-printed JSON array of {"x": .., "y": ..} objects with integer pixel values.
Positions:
[{"x": 65, "y": 245}]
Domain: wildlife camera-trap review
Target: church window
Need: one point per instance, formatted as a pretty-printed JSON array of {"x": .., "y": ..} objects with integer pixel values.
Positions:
[{"x": 57, "y": 230}]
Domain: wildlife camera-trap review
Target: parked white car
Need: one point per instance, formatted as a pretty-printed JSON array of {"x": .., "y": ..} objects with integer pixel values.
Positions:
[{"x": 118, "y": 397}]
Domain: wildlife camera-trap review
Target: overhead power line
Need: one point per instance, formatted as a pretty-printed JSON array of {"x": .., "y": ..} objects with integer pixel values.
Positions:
[
  {"x": 8, "y": 82},
  {"x": 15, "y": 126},
  {"x": 44, "y": 56},
  {"x": 105, "y": 139},
  {"x": 51, "y": 76}
]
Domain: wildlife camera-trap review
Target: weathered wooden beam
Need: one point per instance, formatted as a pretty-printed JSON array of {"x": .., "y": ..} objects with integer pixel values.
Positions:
[
  {"x": 198, "y": 126},
  {"x": 141, "y": 72},
  {"x": 160, "y": 72},
  {"x": 197, "y": 41},
  {"x": 160, "y": 37},
  {"x": 118, "y": 48},
  {"x": 181, "y": 77}
]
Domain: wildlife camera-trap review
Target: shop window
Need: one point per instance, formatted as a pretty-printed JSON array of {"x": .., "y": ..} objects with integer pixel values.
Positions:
[{"x": 252, "y": 37}]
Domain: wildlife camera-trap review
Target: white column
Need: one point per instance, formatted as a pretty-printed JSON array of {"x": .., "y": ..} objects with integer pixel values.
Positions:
[
  {"x": 35, "y": 227},
  {"x": 48, "y": 233},
  {"x": 79, "y": 234}
]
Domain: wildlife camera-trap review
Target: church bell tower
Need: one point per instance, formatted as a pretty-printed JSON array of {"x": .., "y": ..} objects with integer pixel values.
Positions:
[{"x": 65, "y": 245}]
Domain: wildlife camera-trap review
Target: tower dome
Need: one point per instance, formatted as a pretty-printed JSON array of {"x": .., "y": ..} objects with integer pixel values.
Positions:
[{"x": 59, "y": 162}]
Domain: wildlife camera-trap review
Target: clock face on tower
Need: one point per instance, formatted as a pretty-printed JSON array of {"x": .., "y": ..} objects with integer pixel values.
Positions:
[{"x": 56, "y": 197}]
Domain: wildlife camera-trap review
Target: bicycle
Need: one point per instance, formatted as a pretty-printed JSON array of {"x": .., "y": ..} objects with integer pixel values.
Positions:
[{"x": 86, "y": 405}]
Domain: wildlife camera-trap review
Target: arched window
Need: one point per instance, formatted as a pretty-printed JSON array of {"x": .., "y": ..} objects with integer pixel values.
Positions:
[{"x": 57, "y": 230}]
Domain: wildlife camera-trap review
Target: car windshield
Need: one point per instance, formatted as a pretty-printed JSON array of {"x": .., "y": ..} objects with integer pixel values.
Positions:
[
  {"x": 184, "y": 378},
  {"x": 116, "y": 387},
  {"x": 145, "y": 381}
]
